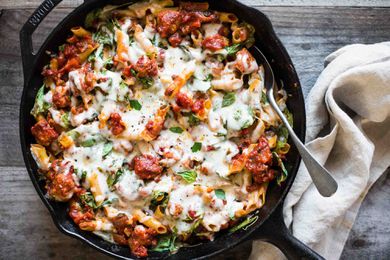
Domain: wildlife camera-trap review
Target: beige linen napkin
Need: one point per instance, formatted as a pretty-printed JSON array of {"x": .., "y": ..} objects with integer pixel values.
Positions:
[{"x": 352, "y": 95}]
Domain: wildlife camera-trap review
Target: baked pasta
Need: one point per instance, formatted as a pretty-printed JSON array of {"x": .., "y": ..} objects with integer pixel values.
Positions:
[{"x": 153, "y": 124}]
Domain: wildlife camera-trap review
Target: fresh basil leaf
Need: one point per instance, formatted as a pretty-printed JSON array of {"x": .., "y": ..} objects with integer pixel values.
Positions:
[
  {"x": 284, "y": 174},
  {"x": 135, "y": 104},
  {"x": 233, "y": 49},
  {"x": 228, "y": 99},
  {"x": 176, "y": 129},
  {"x": 188, "y": 176},
  {"x": 107, "y": 149},
  {"x": 40, "y": 105},
  {"x": 196, "y": 147},
  {"x": 220, "y": 194},
  {"x": 113, "y": 179},
  {"x": 245, "y": 224},
  {"x": 166, "y": 243}
]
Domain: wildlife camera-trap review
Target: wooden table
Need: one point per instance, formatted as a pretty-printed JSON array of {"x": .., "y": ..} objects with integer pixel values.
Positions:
[{"x": 309, "y": 33}]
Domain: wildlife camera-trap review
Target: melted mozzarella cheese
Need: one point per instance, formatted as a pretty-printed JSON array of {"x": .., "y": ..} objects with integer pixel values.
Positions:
[{"x": 217, "y": 161}]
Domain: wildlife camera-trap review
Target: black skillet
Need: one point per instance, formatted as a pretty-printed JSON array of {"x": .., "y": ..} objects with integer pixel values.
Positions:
[{"x": 269, "y": 226}]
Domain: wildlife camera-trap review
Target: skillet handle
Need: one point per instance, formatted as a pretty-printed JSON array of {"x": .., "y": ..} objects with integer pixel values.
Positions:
[
  {"x": 275, "y": 232},
  {"x": 28, "y": 29}
]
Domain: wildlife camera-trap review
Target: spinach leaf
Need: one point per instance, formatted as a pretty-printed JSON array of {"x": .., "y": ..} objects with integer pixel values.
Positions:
[
  {"x": 245, "y": 224},
  {"x": 193, "y": 120},
  {"x": 65, "y": 120},
  {"x": 209, "y": 77},
  {"x": 188, "y": 176},
  {"x": 233, "y": 49},
  {"x": 159, "y": 198},
  {"x": 88, "y": 142},
  {"x": 147, "y": 82},
  {"x": 228, "y": 99},
  {"x": 176, "y": 129},
  {"x": 196, "y": 147},
  {"x": 88, "y": 199},
  {"x": 107, "y": 149},
  {"x": 135, "y": 104},
  {"x": 220, "y": 194},
  {"x": 283, "y": 176},
  {"x": 40, "y": 105},
  {"x": 113, "y": 179},
  {"x": 166, "y": 243}
]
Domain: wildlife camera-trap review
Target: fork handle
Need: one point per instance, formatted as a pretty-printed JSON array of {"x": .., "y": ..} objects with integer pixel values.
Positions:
[{"x": 321, "y": 177}]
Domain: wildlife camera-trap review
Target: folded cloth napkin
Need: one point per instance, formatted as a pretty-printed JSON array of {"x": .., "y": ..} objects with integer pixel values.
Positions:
[{"x": 351, "y": 99}]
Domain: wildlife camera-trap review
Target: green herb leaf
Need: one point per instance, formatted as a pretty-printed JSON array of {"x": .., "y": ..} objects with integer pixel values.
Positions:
[
  {"x": 107, "y": 149},
  {"x": 195, "y": 225},
  {"x": 264, "y": 98},
  {"x": 88, "y": 142},
  {"x": 159, "y": 198},
  {"x": 176, "y": 129},
  {"x": 61, "y": 47},
  {"x": 208, "y": 78},
  {"x": 196, "y": 147},
  {"x": 233, "y": 49},
  {"x": 135, "y": 104},
  {"x": 73, "y": 134},
  {"x": 40, "y": 106},
  {"x": 283, "y": 176},
  {"x": 83, "y": 175},
  {"x": 113, "y": 179},
  {"x": 228, "y": 99},
  {"x": 166, "y": 243},
  {"x": 154, "y": 40},
  {"x": 103, "y": 38},
  {"x": 112, "y": 24},
  {"x": 220, "y": 135},
  {"x": 65, "y": 120},
  {"x": 193, "y": 120},
  {"x": 245, "y": 224},
  {"x": 88, "y": 199},
  {"x": 147, "y": 82},
  {"x": 289, "y": 117},
  {"x": 220, "y": 194},
  {"x": 188, "y": 176}
]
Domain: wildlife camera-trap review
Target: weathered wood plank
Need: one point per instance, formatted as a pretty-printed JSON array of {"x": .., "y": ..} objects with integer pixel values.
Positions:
[{"x": 8, "y": 4}]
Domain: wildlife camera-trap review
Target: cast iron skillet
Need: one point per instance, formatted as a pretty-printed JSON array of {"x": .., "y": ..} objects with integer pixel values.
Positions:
[{"x": 269, "y": 226}]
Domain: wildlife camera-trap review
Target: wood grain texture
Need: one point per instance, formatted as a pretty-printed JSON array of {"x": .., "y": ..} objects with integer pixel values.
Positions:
[
  {"x": 308, "y": 33},
  {"x": 8, "y": 4}
]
